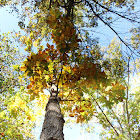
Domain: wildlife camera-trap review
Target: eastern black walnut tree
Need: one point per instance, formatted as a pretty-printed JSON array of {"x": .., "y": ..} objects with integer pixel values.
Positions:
[{"x": 69, "y": 62}]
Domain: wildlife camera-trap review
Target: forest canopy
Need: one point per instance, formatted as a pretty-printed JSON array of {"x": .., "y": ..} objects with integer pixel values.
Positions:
[{"x": 63, "y": 54}]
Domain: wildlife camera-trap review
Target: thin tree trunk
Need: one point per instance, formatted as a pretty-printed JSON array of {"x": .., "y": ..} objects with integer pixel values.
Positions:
[{"x": 53, "y": 122}]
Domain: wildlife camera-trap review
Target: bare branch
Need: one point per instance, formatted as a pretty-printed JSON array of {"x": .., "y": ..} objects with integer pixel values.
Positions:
[
  {"x": 127, "y": 96},
  {"x": 115, "y": 12},
  {"x": 106, "y": 116},
  {"x": 118, "y": 121},
  {"x": 127, "y": 45}
]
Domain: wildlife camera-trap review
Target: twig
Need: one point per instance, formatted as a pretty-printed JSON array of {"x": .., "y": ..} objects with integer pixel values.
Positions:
[
  {"x": 105, "y": 116},
  {"x": 127, "y": 96},
  {"x": 118, "y": 121},
  {"x": 74, "y": 100},
  {"x": 60, "y": 74}
]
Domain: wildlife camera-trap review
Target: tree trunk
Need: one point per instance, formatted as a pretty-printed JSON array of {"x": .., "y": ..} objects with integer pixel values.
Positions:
[{"x": 53, "y": 122}]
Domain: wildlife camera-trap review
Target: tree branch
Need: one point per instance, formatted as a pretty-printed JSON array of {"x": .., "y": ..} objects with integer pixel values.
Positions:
[
  {"x": 115, "y": 12},
  {"x": 110, "y": 27},
  {"x": 127, "y": 96},
  {"x": 105, "y": 116},
  {"x": 77, "y": 2},
  {"x": 118, "y": 121},
  {"x": 60, "y": 74},
  {"x": 74, "y": 100}
]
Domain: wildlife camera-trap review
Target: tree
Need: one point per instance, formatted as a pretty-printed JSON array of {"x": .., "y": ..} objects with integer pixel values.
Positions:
[
  {"x": 123, "y": 116},
  {"x": 16, "y": 114},
  {"x": 56, "y": 64},
  {"x": 74, "y": 67}
]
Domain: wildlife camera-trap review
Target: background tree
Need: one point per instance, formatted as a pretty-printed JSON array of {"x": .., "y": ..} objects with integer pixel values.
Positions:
[
  {"x": 122, "y": 114},
  {"x": 16, "y": 115}
]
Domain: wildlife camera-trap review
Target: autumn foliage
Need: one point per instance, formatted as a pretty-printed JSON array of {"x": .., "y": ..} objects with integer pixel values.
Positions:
[
  {"x": 65, "y": 62},
  {"x": 73, "y": 70},
  {"x": 61, "y": 46}
]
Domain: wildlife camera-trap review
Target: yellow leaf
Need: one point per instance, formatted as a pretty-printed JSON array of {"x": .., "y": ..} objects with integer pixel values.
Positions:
[
  {"x": 35, "y": 43},
  {"x": 29, "y": 117},
  {"x": 78, "y": 120},
  {"x": 32, "y": 83},
  {"x": 47, "y": 77},
  {"x": 23, "y": 68}
]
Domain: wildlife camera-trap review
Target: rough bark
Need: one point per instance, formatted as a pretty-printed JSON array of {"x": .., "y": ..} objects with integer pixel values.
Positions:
[{"x": 53, "y": 122}]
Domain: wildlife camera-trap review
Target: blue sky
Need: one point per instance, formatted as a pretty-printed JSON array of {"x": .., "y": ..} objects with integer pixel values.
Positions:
[{"x": 8, "y": 22}]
